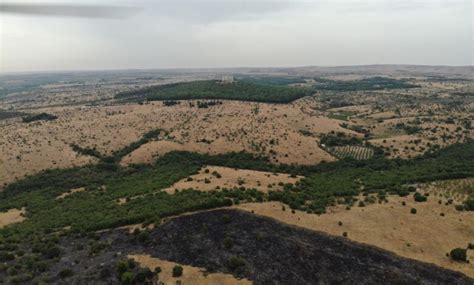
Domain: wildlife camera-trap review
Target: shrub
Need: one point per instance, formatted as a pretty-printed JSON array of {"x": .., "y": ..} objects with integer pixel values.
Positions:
[
  {"x": 413, "y": 210},
  {"x": 228, "y": 243},
  {"x": 65, "y": 273},
  {"x": 122, "y": 266},
  {"x": 469, "y": 205},
  {"x": 127, "y": 278},
  {"x": 52, "y": 252},
  {"x": 6, "y": 256},
  {"x": 459, "y": 207},
  {"x": 144, "y": 274},
  {"x": 235, "y": 262},
  {"x": 458, "y": 254},
  {"x": 419, "y": 197},
  {"x": 177, "y": 271},
  {"x": 38, "y": 117},
  {"x": 143, "y": 237}
]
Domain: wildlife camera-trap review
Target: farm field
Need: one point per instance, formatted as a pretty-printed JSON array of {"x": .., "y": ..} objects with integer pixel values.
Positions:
[{"x": 356, "y": 152}]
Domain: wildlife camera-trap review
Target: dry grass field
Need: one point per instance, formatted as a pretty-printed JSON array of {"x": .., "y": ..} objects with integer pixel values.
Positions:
[
  {"x": 216, "y": 177},
  {"x": 12, "y": 216},
  {"x": 426, "y": 236},
  {"x": 268, "y": 129}
]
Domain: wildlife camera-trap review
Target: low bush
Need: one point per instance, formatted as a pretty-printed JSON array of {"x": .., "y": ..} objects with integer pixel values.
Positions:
[
  {"x": 458, "y": 254},
  {"x": 177, "y": 271}
]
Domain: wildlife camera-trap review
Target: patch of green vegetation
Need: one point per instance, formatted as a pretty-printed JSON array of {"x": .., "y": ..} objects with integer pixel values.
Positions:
[
  {"x": 7, "y": 114},
  {"x": 146, "y": 138},
  {"x": 273, "y": 80},
  {"x": 346, "y": 178},
  {"x": 211, "y": 89},
  {"x": 39, "y": 117},
  {"x": 86, "y": 151},
  {"x": 339, "y": 139},
  {"x": 177, "y": 271},
  {"x": 458, "y": 254},
  {"x": 408, "y": 128},
  {"x": 371, "y": 83}
]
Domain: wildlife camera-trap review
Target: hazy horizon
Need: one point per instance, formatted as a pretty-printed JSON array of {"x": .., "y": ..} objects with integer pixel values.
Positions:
[
  {"x": 228, "y": 68},
  {"x": 243, "y": 34}
]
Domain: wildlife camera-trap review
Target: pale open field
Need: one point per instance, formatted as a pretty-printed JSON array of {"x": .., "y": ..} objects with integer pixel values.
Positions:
[
  {"x": 191, "y": 275},
  {"x": 233, "y": 178},
  {"x": 425, "y": 236},
  {"x": 11, "y": 216}
]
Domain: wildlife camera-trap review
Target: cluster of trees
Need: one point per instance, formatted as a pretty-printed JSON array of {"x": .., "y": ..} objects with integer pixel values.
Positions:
[
  {"x": 339, "y": 139},
  {"x": 129, "y": 272},
  {"x": 408, "y": 128},
  {"x": 212, "y": 90},
  {"x": 206, "y": 104},
  {"x": 146, "y": 138},
  {"x": 7, "y": 114},
  {"x": 371, "y": 83},
  {"x": 86, "y": 151},
  {"x": 39, "y": 117},
  {"x": 273, "y": 80}
]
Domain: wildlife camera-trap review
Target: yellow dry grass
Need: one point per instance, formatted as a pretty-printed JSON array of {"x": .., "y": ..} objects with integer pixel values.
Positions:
[
  {"x": 269, "y": 129},
  {"x": 191, "y": 275},
  {"x": 12, "y": 216},
  {"x": 231, "y": 178}
]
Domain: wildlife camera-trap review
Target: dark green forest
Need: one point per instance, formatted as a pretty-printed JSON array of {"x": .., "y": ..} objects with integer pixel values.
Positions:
[
  {"x": 371, "y": 83},
  {"x": 211, "y": 89}
]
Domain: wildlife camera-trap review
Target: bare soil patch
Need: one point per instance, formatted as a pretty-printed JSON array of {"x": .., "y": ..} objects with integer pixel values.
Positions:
[{"x": 12, "y": 216}]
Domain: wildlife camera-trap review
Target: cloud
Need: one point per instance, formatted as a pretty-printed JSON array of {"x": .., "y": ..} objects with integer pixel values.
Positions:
[
  {"x": 68, "y": 10},
  {"x": 182, "y": 34}
]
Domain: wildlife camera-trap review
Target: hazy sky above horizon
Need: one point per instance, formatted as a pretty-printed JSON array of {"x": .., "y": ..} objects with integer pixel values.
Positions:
[{"x": 194, "y": 34}]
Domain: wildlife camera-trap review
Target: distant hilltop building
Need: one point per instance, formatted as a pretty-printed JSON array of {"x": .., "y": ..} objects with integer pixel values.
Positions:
[{"x": 227, "y": 79}]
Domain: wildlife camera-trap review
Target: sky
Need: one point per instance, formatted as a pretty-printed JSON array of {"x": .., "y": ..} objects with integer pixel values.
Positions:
[{"x": 261, "y": 33}]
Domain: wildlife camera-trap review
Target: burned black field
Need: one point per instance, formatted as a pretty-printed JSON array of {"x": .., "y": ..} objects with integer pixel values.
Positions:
[{"x": 244, "y": 245}]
